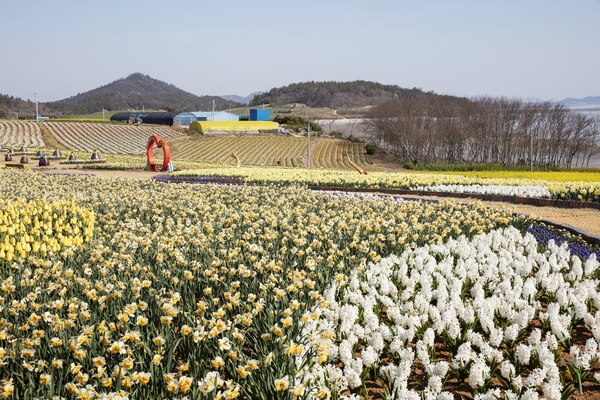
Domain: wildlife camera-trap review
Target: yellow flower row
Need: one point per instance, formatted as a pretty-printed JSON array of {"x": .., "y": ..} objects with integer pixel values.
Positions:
[
  {"x": 38, "y": 227},
  {"x": 559, "y": 188}
]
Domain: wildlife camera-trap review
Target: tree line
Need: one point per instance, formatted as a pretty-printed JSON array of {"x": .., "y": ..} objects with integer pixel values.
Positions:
[{"x": 446, "y": 129}]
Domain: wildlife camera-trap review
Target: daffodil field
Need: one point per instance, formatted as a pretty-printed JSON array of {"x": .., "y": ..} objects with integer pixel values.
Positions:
[
  {"x": 539, "y": 188},
  {"x": 138, "y": 289}
]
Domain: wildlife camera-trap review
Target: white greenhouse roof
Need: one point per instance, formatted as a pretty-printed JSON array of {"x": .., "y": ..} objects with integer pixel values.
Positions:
[{"x": 216, "y": 116}]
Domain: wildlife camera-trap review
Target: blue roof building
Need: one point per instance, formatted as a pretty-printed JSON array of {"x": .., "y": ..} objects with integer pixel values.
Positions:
[{"x": 215, "y": 116}]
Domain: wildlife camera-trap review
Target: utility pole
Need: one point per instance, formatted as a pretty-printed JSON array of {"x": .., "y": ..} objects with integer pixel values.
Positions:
[
  {"x": 308, "y": 146},
  {"x": 36, "y": 107}
]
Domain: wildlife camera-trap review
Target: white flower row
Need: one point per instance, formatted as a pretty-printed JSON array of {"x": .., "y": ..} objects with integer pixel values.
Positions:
[
  {"x": 503, "y": 190},
  {"x": 478, "y": 298}
]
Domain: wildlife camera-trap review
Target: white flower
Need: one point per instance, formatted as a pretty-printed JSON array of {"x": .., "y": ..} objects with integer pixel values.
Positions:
[
  {"x": 352, "y": 372},
  {"x": 479, "y": 373},
  {"x": 434, "y": 386},
  {"x": 429, "y": 337},
  {"x": 445, "y": 396},
  {"x": 523, "y": 353},
  {"x": 439, "y": 368},
  {"x": 535, "y": 337},
  {"x": 376, "y": 341},
  {"x": 463, "y": 356},
  {"x": 511, "y": 332},
  {"x": 535, "y": 378},
  {"x": 492, "y": 394},
  {"x": 553, "y": 389},
  {"x": 530, "y": 394},
  {"x": 369, "y": 356},
  {"x": 507, "y": 370}
]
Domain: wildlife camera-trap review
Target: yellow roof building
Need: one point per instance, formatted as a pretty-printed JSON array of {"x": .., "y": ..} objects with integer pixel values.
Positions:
[{"x": 234, "y": 127}]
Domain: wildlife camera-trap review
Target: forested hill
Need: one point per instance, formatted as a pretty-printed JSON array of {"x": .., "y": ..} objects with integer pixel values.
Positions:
[
  {"x": 136, "y": 92},
  {"x": 335, "y": 94},
  {"x": 12, "y": 107}
]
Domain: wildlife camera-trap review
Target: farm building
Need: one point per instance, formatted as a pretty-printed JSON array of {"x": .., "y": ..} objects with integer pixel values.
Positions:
[
  {"x": 184, "y": 119},
  {"x": 187, "y": 118},
  {"x": 257, "y": 115},
  {"x": 215, "y": 116},
  {"x": 215, "y": 127},
  {"x": 157, "y": 118}
]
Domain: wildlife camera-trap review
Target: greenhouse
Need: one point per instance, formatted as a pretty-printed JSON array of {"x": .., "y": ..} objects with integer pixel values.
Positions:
[
  {"x": 216, "y": 127},
  {"x": 157, "y": 118},
  {"x": 215, "y": 116}
]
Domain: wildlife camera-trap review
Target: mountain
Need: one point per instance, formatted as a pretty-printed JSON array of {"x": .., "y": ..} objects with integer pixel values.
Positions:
[
  {"x": 335, "y": 94},
  {"x": 136, "y": 92},
  {"x": 240, "y": 99},
  {"x": 586, "y": 102}
]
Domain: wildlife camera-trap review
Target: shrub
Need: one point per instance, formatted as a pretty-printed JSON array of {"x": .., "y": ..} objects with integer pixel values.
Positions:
[
  {"x": 297, "y": 123},
  {"x": 370, "y": 148}
]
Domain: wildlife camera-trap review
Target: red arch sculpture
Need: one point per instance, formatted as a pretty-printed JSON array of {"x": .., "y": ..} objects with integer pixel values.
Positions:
[{"x": 160, "y": 143}]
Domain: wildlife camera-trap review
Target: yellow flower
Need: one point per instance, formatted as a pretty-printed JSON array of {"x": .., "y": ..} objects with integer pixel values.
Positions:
[
  {"x": 328, "y": 334},
  {"x": 253, "y": 365},
  {"x": 27, "y": 353},
  {"x": 242, "y": 371},
  {"x": 159, "y": 341},
  {"x": 143, "y": 378},
  {"x": 185, "y": 383},
  {"x": 186, "y": 330},
  {"x": 231, "y": 394},
  {"x": 277, "y": 330},
  {"x": 71, "y": 388},
  {"x": 298, "y": 391},
  {"x": 172, "y": 387},
  {"x": 294, "y": 349},
  {"x": 323, "y": 393},
  {"x": 128, "y": 363},
  {"x": 81, "y": 378},
  {"x": 218, "y": 362},
  {"x": 98, "y": 361},
  {"x": 156, "y": 359},
  {"x": 281, "y": 384},
  {"x": 45, "y": 379}
]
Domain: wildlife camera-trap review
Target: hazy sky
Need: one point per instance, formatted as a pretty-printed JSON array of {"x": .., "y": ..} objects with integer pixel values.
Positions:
[{"x": 529, "y": 49}]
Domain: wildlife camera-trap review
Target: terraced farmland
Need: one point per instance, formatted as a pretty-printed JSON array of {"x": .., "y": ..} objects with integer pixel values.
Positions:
[
  {"x": 252, "y": 150},
  {"x": 107, "y": 138},
  {"x": 16, "y": 133},
  {"x": 270, "y": 150}
]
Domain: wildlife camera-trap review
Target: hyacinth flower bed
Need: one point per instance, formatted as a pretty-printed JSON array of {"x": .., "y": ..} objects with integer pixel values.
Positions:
[{"x": 265, "y": 292}]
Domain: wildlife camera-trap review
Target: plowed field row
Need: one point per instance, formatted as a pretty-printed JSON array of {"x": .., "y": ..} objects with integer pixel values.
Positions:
[
  {"x": 17, "y": 134},
  {"x": 271, "y": 150},
  {"x": 107, "y": 138},
  {"x": 268, "y": 150}
]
